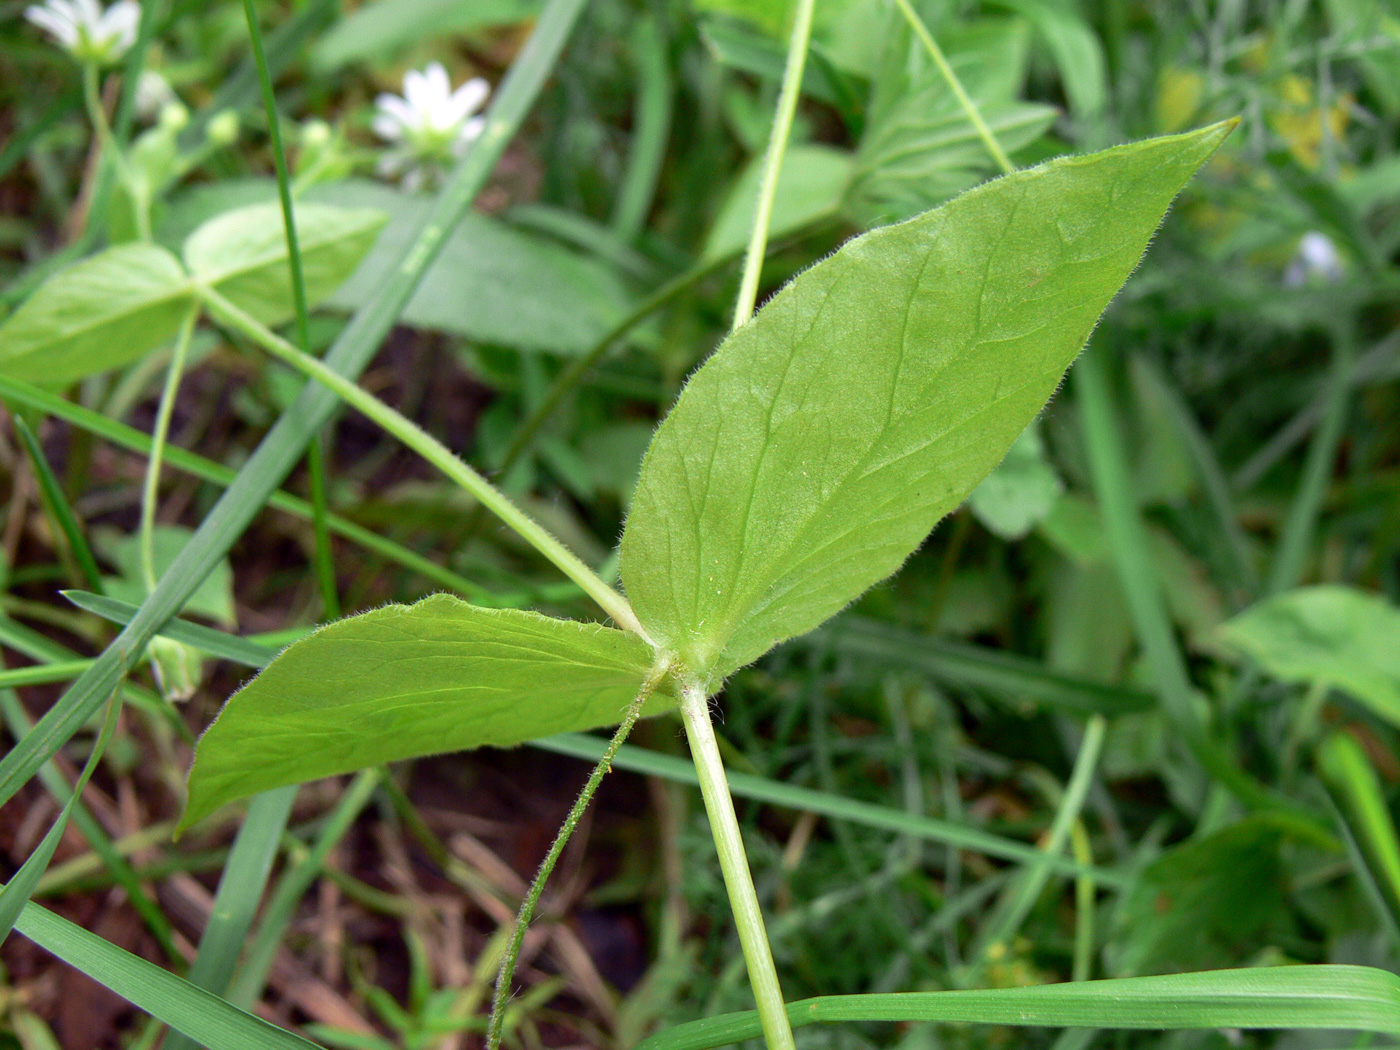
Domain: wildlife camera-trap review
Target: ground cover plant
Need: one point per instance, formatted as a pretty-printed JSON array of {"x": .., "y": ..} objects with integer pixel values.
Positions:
[{"x": 668, "y": 333}]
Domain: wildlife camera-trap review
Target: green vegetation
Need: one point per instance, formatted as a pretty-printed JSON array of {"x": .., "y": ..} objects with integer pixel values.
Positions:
[{"x": 668, "y": 334}]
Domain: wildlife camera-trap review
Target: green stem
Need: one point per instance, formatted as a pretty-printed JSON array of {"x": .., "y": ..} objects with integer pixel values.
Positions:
[
  {"x": 419, "y": 440},
  {"x": 97, "y": 113},
  {"x": 320, "y": 521},
  {"x": 969, "y": 107},
  {"x": 773, "y": 161},
  {"x": 733, "y": 862},
  {"x": 506, "y": 973},
  {"x": 150, "y": 489}
]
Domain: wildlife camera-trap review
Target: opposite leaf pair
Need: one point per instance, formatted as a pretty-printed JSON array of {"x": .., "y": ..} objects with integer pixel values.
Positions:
[
  {"x": 808, "y": 457},
  {"x": 121, "y": 304}
]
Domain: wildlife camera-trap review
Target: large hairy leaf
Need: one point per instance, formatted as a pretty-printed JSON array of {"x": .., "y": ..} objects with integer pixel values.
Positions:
[
  {"x": 1331, "y": 634},
  {"x": 404, "y": 681},
  {"x": 242, "y": 254},
  {"x": 99, "y": 314},
  {"x": 818, "y": 446}
]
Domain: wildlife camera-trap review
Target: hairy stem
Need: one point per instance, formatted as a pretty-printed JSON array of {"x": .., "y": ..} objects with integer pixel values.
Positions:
[
  {"x": 773, "y": 161},
  {"x": 150, "y": 489},
  {"x": 734, "y": 863},
  {"x": 435, "y": 452},
  {"x": 506, "y": 973}
]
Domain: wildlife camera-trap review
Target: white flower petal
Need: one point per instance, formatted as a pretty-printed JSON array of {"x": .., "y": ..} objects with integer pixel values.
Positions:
[
  {"x": 468, "y": 98},
  {"x": 60, "y": 28},
  {"x": 388, "y": 128},
  {"x": 120, "y": 23},
  {"x": 438, "y": 83},
  {"x": 416, "y": 91},
  {"x": 88, "y": 13},
  {"x": 395, "y": 108}
]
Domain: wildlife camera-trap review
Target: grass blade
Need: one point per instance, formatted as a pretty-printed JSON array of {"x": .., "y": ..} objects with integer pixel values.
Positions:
[
  {"x": 1293, "y": 997},
  {"x": 59, "y": 507},
  {"x": 240, "y": 890},
  {"x": 285, "y": 443},
  {"x": 19, "y": 889},
  {"x": 201, "y": 1015}
]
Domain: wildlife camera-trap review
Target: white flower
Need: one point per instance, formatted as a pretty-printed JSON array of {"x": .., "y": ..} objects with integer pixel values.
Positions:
[
  {"x": 89, "y": 33},
  {"x": 153, "y": 94},
  {"x": 430, "y": 125},
  {"x": 1317, "y": 260}
]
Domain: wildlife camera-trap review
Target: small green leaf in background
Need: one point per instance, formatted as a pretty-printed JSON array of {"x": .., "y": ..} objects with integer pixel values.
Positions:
[
  {"x": 1075, "y": 50},
  {"x": 96, "y": 315},
  {"x": 814, "y": 451},
  {"x": 1331, "y": 634},
  {"x": 242, "y": 254},
  {"x": 811, "y": 186},
  {"x": 919, "y": 147},
  {"x": 213, "y": 598},
  {"x": 1202, "y": 904},
  {"x": 527, "y": 291},
  {"x": 1023, "y": 489},
  {"x": 404, "y": 681}
]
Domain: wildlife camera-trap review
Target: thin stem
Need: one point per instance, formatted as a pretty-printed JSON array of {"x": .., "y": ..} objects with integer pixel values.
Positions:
[
  {"x": 969, "y": 107},
  {"x": 284, "y": 182},
  {"x": 315, "y": 459},
  {"x": 1011, "y": 912},
  {"x": 150, "y": 490},
  {"x": 506, "y": 973},
  {"x": 773, "y": 161},
  {"x": 733, "y": 862},
  {"x": 321, "y": 528},
  {"x": 97, "y": 113},
  {"x": 432, "y": 450}
]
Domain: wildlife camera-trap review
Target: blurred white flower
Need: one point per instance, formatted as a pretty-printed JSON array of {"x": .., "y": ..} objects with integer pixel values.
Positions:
[
  {"x": 86, "y": 31},
  {"x": 1317, "y": 260},
  {"x": 153, "y": 94},
  {"x": 430, "y": 125}
]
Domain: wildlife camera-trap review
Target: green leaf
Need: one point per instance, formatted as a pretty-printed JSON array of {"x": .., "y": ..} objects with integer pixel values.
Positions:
[
  {"x": 1021, "y": 492},
  {"x": 1359, "y": 998},
  {"x": 818, "y": 446},
  {"x": 404, "y": 681},
  {"x": 811, "y": 186},
  {"x": 381, "y": 28},
  {"x": 919, "y": 148},
  {"x": 98, "y": 314},
  {"x": 213, "y": 598},
  {"x": 525, "y": 290},
  {"x": 1331, "y": 634},
  {"x": 242, "y": 254},
  {"x": 1206, "y": 902}
]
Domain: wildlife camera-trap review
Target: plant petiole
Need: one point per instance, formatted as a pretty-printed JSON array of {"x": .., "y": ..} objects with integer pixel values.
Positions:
[
  {"x": 734, "y": 864},
  {"x": 430, "y": 448}
]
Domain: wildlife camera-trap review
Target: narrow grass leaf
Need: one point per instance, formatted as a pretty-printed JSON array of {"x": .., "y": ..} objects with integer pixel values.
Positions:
[
  {"x": 242, "y": 254},
  {"x": 95, "y": 315},
  {"x": 21, "y": 887},
  {"x": 1357, "y": 998},
  {"x": 201, "y": 1015},
  {"x": 404, "y": 681},
  {"x": 1362, "y": 803},
  {"x": 818, "y": 446},
  {"x": 59, "y": 507},
  {"x": 1331, "y": 634}
]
